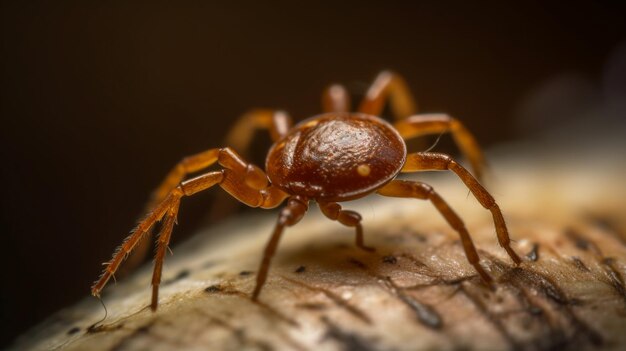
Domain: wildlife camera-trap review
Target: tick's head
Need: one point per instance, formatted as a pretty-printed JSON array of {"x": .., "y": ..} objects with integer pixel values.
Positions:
[{"x": 336, "y": 157}]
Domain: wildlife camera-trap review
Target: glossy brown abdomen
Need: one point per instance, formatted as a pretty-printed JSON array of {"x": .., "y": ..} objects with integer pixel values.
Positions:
[{"x": 336, "y": 157}]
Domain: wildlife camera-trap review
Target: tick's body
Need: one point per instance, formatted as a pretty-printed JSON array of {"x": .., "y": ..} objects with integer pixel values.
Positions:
[
  {"x": 336, "y": 157},
  {"x": 333, "y": 157}
]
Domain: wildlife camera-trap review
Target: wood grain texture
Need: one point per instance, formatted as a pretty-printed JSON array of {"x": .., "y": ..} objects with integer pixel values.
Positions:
[{"x": 416, "y": 292}]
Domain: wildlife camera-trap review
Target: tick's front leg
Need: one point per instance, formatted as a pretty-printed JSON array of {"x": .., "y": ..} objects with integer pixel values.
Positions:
[{"x": 244, "y": 181}]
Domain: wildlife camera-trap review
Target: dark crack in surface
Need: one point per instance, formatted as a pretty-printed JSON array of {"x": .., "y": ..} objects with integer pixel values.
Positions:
[
  {"x": 340, "y": 302},
  {"x": 425, "y": 314},
  {"x": 609, "y": 227},
  {"x": 347, "y": 341},
  {"x": 580, "y": 265},
  {"x": 568, "y": 331},
  {"x": 615, "y": 278}
]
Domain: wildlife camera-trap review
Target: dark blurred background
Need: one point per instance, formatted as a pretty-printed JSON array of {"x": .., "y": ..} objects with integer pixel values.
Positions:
[{"x": 99, "y": 100}]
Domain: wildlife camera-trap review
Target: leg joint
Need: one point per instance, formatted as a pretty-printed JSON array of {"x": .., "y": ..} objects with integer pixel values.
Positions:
[
  {"x": 294, "y": 211},
  {"x": 349, "y": 218},
  {"x": 331, "y": 210}
]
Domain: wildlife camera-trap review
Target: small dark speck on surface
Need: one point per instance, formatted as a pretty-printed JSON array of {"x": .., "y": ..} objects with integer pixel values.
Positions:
[
  {"x": 312, "y": 306},
  {"x": 421, "y": 238},
  {"x": 535, "y": 310},
  {"x": 609, "y": 226},
  {"x": 608, "y": 261},
  {"x": 73, "y": 331},
  {"x": 357, "y": 263},
  {"x": 98, "y": 328},
  {"x": 213, "y": 288},
  {"x": 555, "y": 295},
  {"x": 579, "y": 264},
  {"x": 245, "y": 273},
  {"x": 577, "y": 239},
  {"x": 181, "y": 275},
  {"x": 533, "y": 255},
  {"x": 208, "y": 264},
  {"x": 347, "y": 341},
  {"x": 300, "y": 269},
  {"x": 390, "y": 259},
  {"x": 426, "y": 314},
  {"x": 144, "y": 329},
  {"x": 613, "y": 273}
]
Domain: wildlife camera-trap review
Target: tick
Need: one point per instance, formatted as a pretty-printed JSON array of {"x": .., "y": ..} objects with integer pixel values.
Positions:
[{"x": 330, "y": 158}]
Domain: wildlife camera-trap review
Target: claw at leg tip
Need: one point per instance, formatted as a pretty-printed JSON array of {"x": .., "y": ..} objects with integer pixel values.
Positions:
[
  {"x": 514, "y": 256},
  {"x": 255, "y": 296}
]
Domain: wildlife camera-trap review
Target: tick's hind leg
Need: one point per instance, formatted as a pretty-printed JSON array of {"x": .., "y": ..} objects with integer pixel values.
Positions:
[
  {"x": 418, "y": 190},
  {"x": 389, "y": 86},
  {"x": 241, "y": 134},
  {"x": 335, "y": 98},
  {"x": 426, "y": 161},
  {"x": 348, "y": 218}
]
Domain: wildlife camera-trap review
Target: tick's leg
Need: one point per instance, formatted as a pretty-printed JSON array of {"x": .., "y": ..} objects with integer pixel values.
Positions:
[
  {"x": 245, "y": 182},
  {"x": 290, "y": 215},
  {"x": 333, "y": 211},
  {"x": 389, "y": 85},
  {"x": 162, "y": 244},
  {"x": 426, "y": 161},
  {"x": 418, "y": 190},
  {"x": 240, "y": 136},
  {"x": 277, "y": 123},
  {"x": 184, "y": 167},
  {"x": 335, "y": 98},
  {"x": 170, "y": 203},
  {"x": 418, "y": 125}
]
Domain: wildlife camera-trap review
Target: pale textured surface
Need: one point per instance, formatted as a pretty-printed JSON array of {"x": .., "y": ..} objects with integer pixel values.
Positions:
[{"x": 417, "y": 292}]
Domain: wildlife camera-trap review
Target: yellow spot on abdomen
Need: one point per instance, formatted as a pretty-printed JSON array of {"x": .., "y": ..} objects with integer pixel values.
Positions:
[{"x": 363, "y": 170}]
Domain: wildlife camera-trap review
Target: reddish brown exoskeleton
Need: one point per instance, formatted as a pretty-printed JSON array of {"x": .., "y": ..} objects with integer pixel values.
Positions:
[{"x": 329, "y": 158}]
